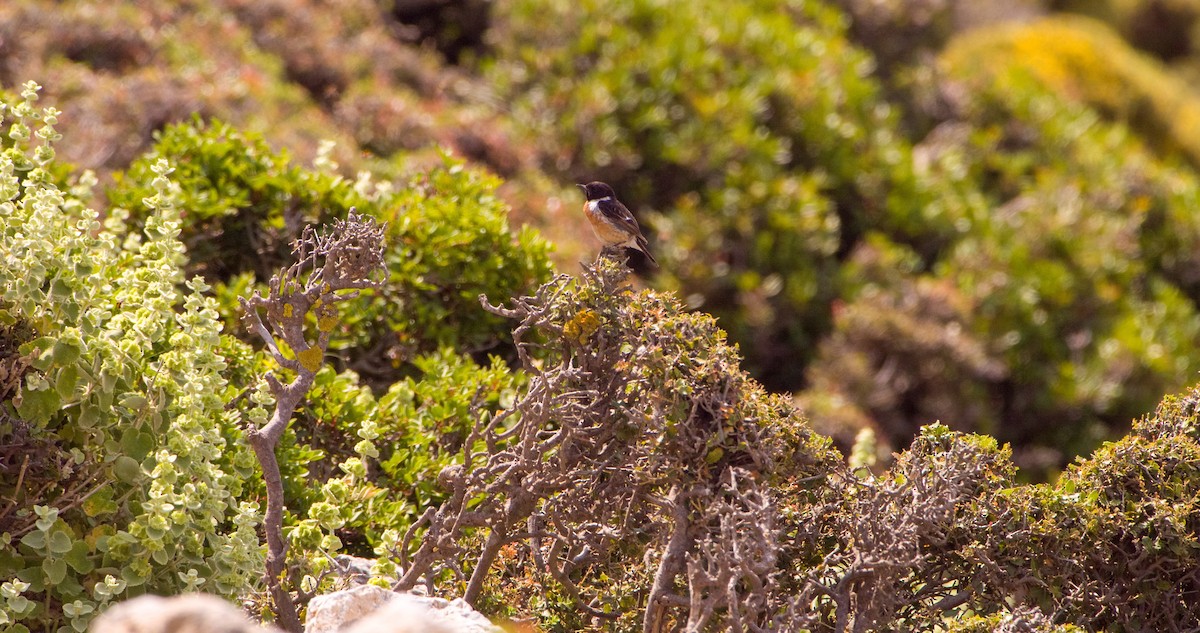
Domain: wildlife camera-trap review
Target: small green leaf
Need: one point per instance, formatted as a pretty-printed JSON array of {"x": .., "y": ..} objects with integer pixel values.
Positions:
[
  {"x": 38, "y": 406},
  {"x": 59, "y": 289},
  {"x": 55, "y": 569},
  {"x": 100, "y": 503},
  {"x": 67, "y": 381},
  {"x": 78, "y": 558},
  {"x": 42, "y": 360},
  {"x": 127, "y": 469},
  {"x": 133, "y": 401},
  {"x": 65, "y": 352},
  {"x": 35, "y": 540},
  {"x": 89, "y": 415},
  {"x": 20, "y": 605},
  {"x": 47, "y": 517},
  {"x": 131, "y": 577},
  {"x": 137, "y": 444},
  {"x": 60, "y": 542}
]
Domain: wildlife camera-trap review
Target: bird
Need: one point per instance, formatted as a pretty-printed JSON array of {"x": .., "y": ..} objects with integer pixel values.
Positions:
[{"x": 611, "y": 220}]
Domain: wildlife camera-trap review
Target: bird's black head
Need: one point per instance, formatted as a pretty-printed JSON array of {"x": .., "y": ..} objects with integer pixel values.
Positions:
[{"x": 597, "y": 190}]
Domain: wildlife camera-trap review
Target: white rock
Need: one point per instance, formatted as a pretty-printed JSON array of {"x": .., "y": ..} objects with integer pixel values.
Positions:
[
  {"x": 370, "y": 609},
  {"x": 189, "y": 613},
  {"x": 330, "y": 612}
]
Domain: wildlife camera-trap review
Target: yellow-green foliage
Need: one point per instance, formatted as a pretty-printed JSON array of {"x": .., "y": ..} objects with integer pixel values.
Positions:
[
  {"x": 122, "y": 481},
  {"x": 1019, "y": 620},
  {"x": 1084, "y": 60},
  {"x": 360, "y": 469}
]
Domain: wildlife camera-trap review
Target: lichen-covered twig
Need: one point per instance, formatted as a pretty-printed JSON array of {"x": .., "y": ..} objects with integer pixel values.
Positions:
[{"x": 330, "y": 268}]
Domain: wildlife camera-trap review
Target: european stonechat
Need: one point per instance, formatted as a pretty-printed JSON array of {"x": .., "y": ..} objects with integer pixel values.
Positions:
[{"x": 611, "y": 221}]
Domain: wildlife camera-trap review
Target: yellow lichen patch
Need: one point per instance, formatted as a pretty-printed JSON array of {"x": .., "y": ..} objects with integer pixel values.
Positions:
[
  {"x": 582, "y": 326},
  {"x": 310, "y": 358}
]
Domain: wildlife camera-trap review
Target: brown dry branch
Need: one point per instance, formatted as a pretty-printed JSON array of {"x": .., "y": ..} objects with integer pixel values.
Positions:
[
  {"x": 898, "y": 542},
  {"x": 1114, "y": 543},
  {"x": 329, "y": 269},
  {"x": 637, "y": 433},
  {"x": 740, "y": 548}
]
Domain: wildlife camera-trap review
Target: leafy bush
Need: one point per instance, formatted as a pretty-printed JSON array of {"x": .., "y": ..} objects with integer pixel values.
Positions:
[
  {"x": 415, "y": 430},
  {"x": 889, "y": 552},
  {"x": 378, "y": 462},
  {"x": 244, "y": 201},
  {"x": 902, "y": 351},
  {"x": 1134, "y": 503},
  {"x": 127, "y": 485},
  {"x": 424, "y": 424},
  {"x": 1076, "y": 278},
  {"x": 448, "y": 243},
  {"x": 754, "y": 126},
  {"x": 448, "y": 240},
  {"x": 1083, "y": 59},
  {"x": 945, "y": 538}
]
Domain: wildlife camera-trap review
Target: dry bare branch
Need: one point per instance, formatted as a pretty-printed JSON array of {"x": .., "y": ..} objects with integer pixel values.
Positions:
[{"x": 330, "y": 268}]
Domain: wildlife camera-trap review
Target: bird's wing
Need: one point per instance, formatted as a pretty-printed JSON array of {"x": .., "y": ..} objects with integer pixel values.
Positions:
[{"x": 615, "y": 211}]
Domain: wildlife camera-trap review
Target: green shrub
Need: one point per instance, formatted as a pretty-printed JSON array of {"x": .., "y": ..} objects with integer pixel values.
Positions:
[
  {"x": 244, "y": 202},
  {"x": 1084, "y": 60},
  {"x": 888, "y": 552},
  {"x": 447, "y": 234},
  {"x": 448, "y": 242},
  {"x": 755, "y": 127},
  {"x": 424, "y": 423},
  {"x": 127, "y": 485},
  {"x": 378, "y": 462},
  {"x": 945, "y": 539},
  {"x": 1080, "y": 276},
  {"x": 902, "y": 351}
]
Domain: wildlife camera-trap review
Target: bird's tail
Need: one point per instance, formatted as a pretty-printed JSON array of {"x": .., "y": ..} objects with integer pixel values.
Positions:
[{"x": 644, "y": 246}]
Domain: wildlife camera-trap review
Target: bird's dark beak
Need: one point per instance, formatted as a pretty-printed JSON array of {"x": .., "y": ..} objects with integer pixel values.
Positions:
[{"x": 583, "y": 187}]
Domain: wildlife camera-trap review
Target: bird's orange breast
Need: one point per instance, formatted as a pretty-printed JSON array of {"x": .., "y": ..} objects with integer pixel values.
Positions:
[{"x": 608, "y": 232}]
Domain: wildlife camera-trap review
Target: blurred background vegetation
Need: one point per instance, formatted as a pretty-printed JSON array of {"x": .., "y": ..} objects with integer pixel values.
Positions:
[{"x": 902, "y": 211}]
